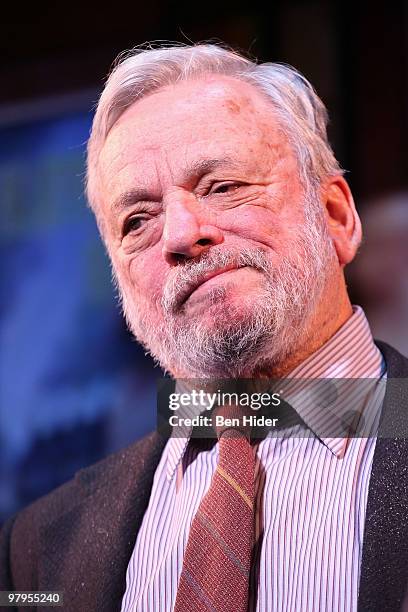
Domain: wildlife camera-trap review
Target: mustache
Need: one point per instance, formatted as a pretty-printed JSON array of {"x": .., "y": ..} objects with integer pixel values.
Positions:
[{"x": 187, "y": 276}]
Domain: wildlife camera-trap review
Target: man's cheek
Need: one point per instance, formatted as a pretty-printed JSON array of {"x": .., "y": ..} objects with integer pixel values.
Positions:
[{"x": 147, "y": 281}]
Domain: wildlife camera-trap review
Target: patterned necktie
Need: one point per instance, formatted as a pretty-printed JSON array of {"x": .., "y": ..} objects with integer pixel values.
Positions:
[{"x": 217, "y": 560}]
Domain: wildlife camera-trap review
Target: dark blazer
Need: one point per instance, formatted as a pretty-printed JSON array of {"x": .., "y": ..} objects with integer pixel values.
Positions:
[{"x": 79, "y": 538}]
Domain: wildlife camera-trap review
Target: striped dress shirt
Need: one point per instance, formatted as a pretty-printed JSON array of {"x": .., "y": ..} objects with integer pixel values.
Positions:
[{"x": 310, "y": 502}]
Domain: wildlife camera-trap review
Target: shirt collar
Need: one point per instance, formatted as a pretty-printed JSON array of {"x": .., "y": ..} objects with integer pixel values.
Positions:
[{"x": 349, "y": 353}]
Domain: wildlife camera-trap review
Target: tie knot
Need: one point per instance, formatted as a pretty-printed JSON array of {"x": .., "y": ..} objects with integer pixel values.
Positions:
[{"x": 231, "y": 422}]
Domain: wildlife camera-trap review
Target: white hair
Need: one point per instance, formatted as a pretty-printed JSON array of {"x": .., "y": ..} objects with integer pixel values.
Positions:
[{"x": 144, "y": 70}]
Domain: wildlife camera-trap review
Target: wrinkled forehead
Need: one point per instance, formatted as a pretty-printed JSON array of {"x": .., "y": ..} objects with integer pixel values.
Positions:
[
  {"x": 215, "y": 106},
  {"x": 194, "y": 98}
]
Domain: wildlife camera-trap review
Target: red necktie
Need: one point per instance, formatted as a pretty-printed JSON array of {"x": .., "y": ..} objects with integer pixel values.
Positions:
[{"x": 217, "y": 560}]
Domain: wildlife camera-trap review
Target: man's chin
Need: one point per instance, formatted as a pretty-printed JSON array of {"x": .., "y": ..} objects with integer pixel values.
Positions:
[
  {"x": 197, "y": 308},
  {"x": 226, "y": 336},
  {"x": 218, "y": 346},
  {"x": 214, "y": 316},
  {"x": 228, "y": 307}
]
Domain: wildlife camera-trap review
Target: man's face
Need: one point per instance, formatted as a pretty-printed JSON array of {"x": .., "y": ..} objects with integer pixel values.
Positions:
[{"x": 205, "y": 222}]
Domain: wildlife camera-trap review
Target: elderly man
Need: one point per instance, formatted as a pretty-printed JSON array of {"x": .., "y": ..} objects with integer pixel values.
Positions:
[{"x": 229, "y": 224}]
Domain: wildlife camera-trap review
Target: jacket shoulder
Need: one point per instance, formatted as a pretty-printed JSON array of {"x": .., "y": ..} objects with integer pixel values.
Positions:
[
  {"x": 111, "y": 469},
  {"x": 19, "y": 538},
  {"x": 397, "y": 364}
]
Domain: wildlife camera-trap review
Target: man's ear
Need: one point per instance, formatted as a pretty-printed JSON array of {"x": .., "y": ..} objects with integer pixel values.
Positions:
[{"x": 342, "y": 218}]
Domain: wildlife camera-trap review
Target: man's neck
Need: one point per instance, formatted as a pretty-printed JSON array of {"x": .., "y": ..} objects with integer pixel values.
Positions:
[{"x": 326, "y": 321}]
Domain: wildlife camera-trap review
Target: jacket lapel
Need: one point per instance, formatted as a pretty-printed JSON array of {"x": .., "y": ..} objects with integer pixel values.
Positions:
[{"x": 384, "y": 569}]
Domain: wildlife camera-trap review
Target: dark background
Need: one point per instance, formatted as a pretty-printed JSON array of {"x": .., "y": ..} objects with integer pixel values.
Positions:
[{"x": 74, "y": 386}]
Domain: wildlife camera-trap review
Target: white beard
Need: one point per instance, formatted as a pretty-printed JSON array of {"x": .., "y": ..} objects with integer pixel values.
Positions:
[{"x": 260, "y": 332}]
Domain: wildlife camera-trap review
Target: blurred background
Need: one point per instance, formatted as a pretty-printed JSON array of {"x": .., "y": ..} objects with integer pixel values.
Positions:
[{"x": 74, "y": 385}]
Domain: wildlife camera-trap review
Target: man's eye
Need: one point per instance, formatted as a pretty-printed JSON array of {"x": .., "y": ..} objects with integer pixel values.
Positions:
[
  {"x": 133, "y": 224},
  {"x": 225, "y": 188}
]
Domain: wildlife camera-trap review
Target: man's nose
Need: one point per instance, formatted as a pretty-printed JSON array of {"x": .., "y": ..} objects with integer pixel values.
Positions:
[{"x": 186, "y": 233}]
